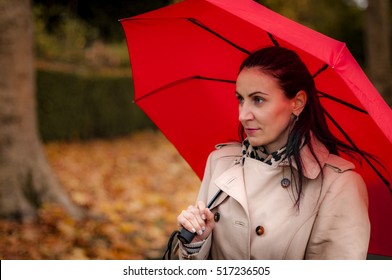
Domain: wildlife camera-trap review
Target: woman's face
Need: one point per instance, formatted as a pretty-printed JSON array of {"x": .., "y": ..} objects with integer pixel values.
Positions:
[{"x": 264, "y": 110}]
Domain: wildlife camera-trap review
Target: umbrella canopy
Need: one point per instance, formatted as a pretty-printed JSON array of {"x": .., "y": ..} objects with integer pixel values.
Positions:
[{"x": 185, "y": 59}]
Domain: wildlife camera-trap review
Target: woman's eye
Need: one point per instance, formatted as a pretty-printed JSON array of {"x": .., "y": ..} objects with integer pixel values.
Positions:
[
  {"x": 258, "y": 100},
  {"x": 240, "y": 98}
]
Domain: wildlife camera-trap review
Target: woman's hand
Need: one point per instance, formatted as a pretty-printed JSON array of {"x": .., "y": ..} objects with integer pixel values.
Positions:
[{"x": 197, "y": 219}]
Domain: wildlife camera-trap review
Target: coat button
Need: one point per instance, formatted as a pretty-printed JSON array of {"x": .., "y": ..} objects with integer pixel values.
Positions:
[
  {"x": 217, "y": 217},
  {"x": 285, "y": 182},
  {"x": 259, "y": 230}
]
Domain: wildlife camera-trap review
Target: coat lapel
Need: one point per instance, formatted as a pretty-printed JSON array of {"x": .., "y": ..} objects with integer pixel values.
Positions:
[{"x": 231, "y": 182}]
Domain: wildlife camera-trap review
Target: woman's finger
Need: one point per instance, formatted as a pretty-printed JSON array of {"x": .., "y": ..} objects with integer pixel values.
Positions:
[
  {"x": 202, "y": 208},
  {"x": 200, "y": 217},
  {"x": 191, "y": 220}
]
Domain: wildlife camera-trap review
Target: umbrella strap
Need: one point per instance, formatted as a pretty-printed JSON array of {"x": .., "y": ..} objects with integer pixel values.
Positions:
[{"x": 168, "y": 253}]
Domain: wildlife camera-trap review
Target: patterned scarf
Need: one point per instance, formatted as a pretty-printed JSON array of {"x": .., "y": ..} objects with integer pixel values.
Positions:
[{"x": 261, "y": 154}]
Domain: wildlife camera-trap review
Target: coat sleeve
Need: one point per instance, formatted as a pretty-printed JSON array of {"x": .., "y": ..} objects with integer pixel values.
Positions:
[
  {"x": 342, "y": 228},
  {"x": 203, "y": 254},
  {"x": 203, "y": 196}
]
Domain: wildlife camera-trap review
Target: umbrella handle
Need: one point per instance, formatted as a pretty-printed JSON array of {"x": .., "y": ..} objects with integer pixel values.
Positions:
[{"x": 186, "y": 236}]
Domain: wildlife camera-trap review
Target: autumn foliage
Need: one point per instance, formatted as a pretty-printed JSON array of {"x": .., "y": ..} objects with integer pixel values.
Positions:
[{"x": 132, "y": 189}]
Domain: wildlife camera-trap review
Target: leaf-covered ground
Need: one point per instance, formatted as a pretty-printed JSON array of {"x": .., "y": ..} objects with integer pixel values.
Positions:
[{"x": 133, "y": 188}]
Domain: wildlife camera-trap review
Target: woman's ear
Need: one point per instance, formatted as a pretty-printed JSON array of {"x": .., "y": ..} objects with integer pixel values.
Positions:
[{"x": 299, "y": 102}]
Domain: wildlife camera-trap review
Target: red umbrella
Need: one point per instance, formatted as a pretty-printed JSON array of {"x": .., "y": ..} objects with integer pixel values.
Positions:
[{"x": 185, "y": 59}]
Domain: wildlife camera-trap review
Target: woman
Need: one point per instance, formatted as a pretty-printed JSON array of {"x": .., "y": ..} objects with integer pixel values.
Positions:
[{"x": 286, "y": 194}]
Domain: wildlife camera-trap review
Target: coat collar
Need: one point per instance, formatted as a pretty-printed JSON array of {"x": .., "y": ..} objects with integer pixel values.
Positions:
[
  {"x": 232, "y": 180},
  {"x": 310, "y": 166}
]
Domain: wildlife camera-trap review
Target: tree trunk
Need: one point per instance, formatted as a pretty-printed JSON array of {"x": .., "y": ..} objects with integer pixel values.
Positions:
[
  {"x": 26, "y": 179},
  {"x": 378, "y": 46}
]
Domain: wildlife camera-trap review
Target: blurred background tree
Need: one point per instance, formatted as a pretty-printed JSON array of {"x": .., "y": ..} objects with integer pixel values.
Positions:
[
  {"x": 26, "y": 179},
  {"x": 379, "y": 46}
]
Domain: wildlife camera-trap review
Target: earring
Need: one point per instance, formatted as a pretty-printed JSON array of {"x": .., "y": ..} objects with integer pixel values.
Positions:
[{"x": 294, "y": 118}]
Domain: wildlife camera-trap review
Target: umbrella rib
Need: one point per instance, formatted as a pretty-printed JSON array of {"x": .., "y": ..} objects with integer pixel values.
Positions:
[
  {"x": 325, "y": 95},
  {"x": 323, "y": 68},
  {"x": 274, "y": 41},
  {"x": 214, "y": 79},
  {"x": 183, "y": 81},
  {"x": 200, "y": 24},
  {"x": 386, "y": 182}
]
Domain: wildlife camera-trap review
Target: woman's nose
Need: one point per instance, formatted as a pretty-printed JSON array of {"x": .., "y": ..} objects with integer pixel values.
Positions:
[{"x": 245, "y": 114}]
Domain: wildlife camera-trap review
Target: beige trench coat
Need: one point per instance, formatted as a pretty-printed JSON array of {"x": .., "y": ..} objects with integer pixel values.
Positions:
[{"x": 331, "y": 222}]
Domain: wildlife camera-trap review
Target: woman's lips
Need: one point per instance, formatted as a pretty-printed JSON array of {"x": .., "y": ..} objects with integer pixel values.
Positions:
[{"x": 251, "y": 130}]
